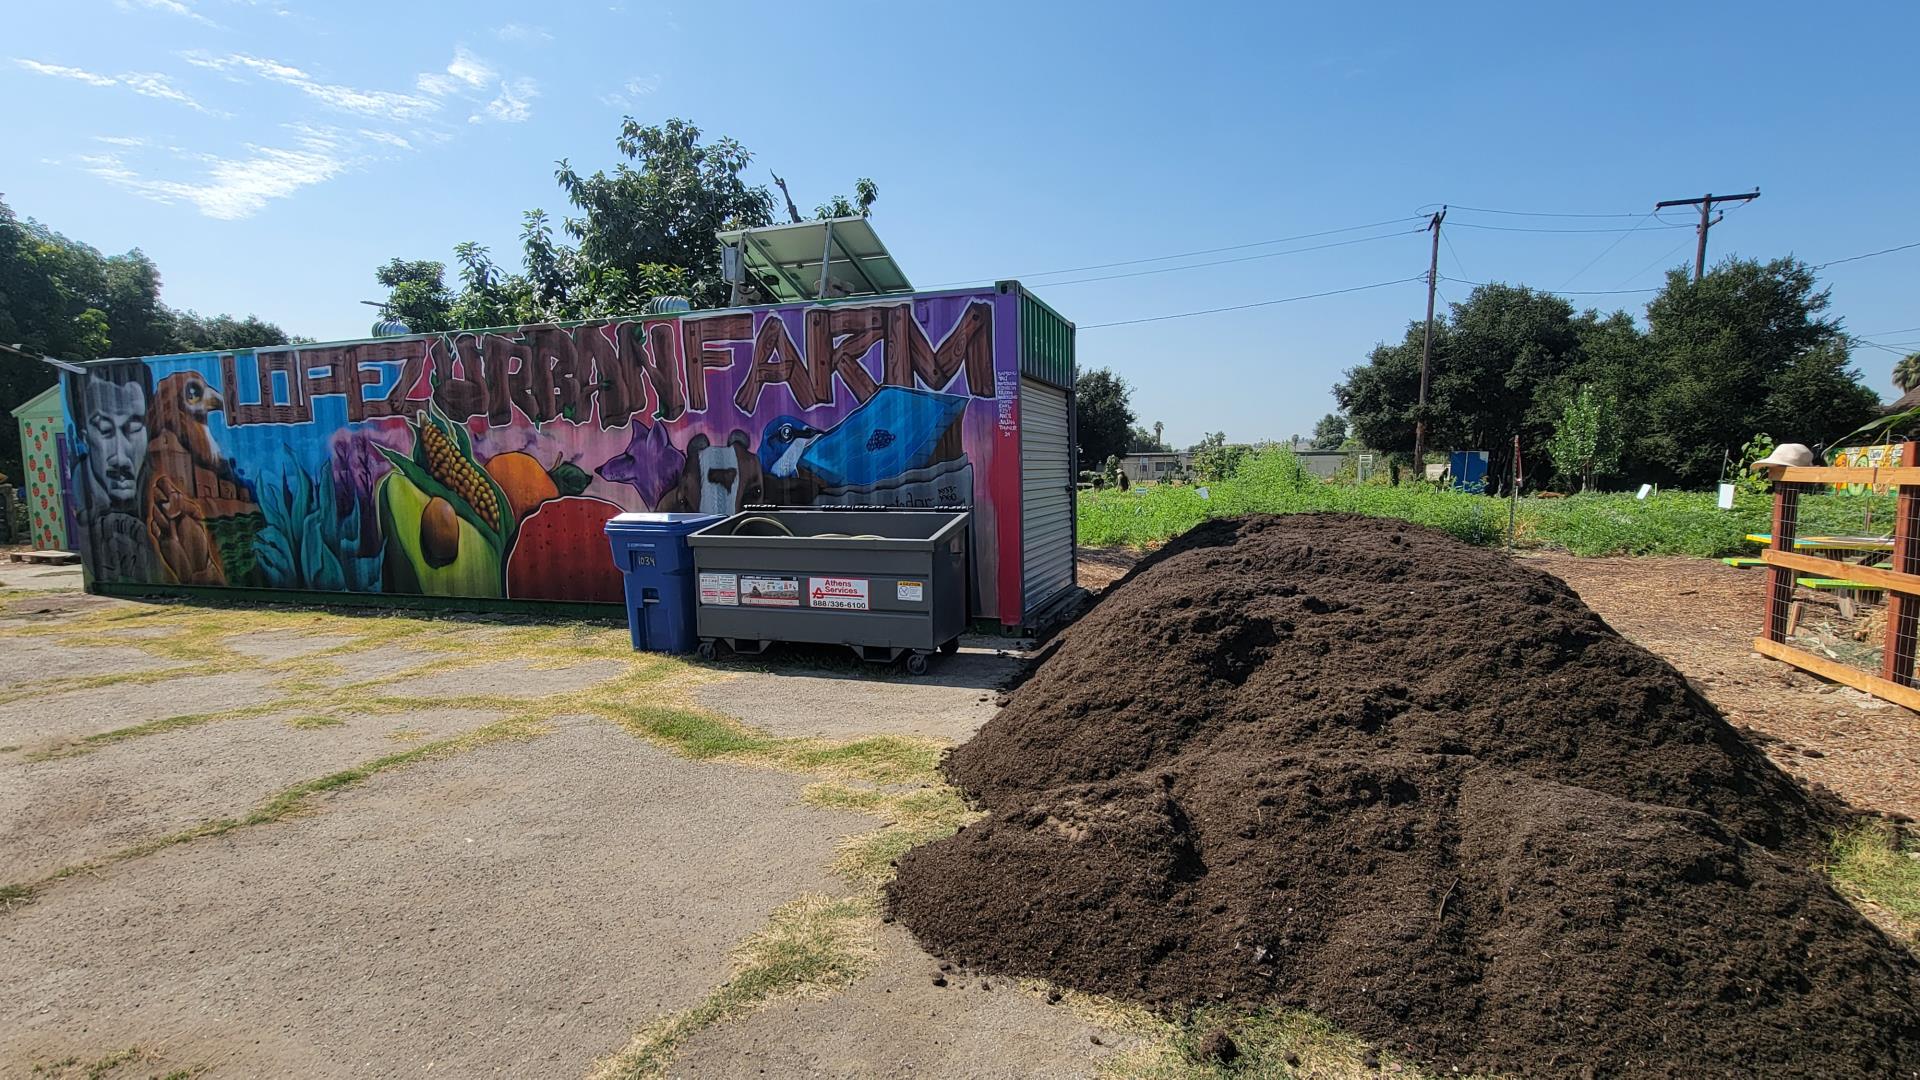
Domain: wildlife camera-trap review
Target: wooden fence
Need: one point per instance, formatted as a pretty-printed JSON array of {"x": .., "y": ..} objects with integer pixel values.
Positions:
[{"x": 1895, "y": 680}]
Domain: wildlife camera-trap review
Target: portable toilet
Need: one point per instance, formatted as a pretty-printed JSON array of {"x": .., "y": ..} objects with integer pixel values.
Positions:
[{"x": 44, "y": 454}]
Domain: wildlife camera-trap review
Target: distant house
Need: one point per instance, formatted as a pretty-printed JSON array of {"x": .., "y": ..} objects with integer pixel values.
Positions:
[{"x": 1156, "y": 468}]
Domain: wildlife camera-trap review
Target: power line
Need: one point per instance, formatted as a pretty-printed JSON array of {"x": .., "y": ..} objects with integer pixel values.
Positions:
[
  {"x": 1225, "y": 262},
  {"x": 1668, "y": 254},
  {"x": 1545, "y": 214},
  {"x": 1868, "y": 255},
  {"x": 1604, "y": 251},
  {"x": 1257, "y": 304},
  {"x": 1516, "y": 228},
  {"x": 1457, "y": 264},
  {"x": 1560, "y": 292},
  {"x": 1890, "y": 333},
  {"x": 1189, "y": 254}
]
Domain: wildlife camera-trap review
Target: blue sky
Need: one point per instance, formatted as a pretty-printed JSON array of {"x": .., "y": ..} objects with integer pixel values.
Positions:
[{"x": 268, "y": 154}]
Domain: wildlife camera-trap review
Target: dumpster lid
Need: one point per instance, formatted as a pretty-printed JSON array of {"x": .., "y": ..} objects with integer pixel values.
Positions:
[{"x": 650, "y": 521}]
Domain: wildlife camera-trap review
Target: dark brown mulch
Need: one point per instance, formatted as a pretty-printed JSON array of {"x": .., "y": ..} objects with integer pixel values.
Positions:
[{"x": 1354, "y": 766}]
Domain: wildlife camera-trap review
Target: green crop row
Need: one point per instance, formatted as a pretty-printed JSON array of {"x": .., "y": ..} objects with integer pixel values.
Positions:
[{"x": 1664, "y": 523}]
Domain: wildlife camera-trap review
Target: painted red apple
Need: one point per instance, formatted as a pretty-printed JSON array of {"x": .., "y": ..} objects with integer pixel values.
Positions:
[{"x": 561, "y": 553}]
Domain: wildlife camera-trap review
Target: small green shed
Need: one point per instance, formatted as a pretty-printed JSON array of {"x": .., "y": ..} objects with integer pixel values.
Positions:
[{"x": 43, "y": 443}]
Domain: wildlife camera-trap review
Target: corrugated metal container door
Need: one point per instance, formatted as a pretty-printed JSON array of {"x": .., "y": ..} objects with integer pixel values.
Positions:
[{"x": 1046, "y": 496}]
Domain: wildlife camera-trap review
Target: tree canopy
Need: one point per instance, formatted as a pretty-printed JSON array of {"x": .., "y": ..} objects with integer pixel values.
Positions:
[
  {"x": 1746, "y": 349},
  {"x": 644, "y": 229},
  {"x": 1329, "y": 432},
  {"x": 1102, "y": 417},
  {"x": 62, "y": 298}
]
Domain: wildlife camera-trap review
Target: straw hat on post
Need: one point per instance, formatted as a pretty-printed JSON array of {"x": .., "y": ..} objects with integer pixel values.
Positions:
[{"x": 1786, "y": 455}]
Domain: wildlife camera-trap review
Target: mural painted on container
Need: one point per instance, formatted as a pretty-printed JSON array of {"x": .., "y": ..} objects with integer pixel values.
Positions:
[
  {"x": 485, "y": 464},
  {"x": 43, "y": 438}
]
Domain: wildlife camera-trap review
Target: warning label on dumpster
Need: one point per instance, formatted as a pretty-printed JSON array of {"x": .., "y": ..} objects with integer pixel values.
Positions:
[
  {"x": 769, "y": 591},
  {"x": 913, "y": 591},
  {"x": 843, "y": 593},
  {"x": 719, "y": 589}
]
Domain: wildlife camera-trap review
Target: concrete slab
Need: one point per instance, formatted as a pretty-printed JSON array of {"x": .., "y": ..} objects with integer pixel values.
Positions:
[
  {"x": 68, "y": 810},
  {"x": 37, "y": 659},
  {"x": 275, "y": 645},
  {"x": 61, "y": 717},
  {"x": 895, "y": 1022},
  {"x": 37, "y": 576},
  {"x": 514, "y": 678},
  {"x": 521, "y": 909},
  {"x": 949, "y": 703}
]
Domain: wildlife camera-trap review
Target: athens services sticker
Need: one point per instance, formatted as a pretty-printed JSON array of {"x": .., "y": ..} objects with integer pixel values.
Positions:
[
  {"x": 769, "y": 591},
  {"x": 719, "y": 589},
  {"x": 844, "y": 593},
  {"x": 912, "y": 591}
]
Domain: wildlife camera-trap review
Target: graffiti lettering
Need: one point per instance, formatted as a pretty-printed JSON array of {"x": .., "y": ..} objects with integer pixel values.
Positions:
[{"x": 544, "y": 373}]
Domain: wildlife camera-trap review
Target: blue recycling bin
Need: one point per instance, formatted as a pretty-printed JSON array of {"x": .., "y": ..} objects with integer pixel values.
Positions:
[{"x": 652, "y": 554}]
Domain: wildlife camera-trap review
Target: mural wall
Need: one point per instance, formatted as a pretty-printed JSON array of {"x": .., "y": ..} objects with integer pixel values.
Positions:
[
  {"x": 485, "y": 464},
  {"x": 43, "y": 451}
]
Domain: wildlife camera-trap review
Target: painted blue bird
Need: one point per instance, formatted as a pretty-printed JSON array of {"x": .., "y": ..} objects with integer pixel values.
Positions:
[{"x": 782, "y": 443}]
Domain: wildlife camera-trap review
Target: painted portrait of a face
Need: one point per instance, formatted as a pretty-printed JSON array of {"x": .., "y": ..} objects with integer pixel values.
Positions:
[{"x": 116, "y": 439}]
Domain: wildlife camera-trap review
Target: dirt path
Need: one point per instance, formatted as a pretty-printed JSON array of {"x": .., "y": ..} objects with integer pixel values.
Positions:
[{"x": 1702, "y": 617}]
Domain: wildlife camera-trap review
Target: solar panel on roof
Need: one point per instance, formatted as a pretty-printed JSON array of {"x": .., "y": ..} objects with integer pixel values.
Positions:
[{"x": 785, "y": 261}]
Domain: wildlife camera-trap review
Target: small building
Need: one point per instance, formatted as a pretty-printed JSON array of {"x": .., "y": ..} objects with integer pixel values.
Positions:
[
  {"x": 1156, "y": 467},
  {"x": 44, "y": 454}
]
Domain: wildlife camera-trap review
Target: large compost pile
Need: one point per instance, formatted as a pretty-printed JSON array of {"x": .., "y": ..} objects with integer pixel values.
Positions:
[{"x": 1355, "y": 766}]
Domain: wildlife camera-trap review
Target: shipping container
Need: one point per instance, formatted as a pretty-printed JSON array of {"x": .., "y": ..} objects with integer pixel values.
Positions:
[
  {"x": 43, "y": 454},
  {"x": 476, "y": 468}
]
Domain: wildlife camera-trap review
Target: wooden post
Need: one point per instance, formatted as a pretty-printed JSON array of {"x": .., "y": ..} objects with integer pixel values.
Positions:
[
  {"x": 1786, "y": 523},
  {"x": 1903, "y": 611}
]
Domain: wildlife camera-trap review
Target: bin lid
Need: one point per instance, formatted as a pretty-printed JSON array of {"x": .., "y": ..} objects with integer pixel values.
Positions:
[{"x": 649, "y": 522}]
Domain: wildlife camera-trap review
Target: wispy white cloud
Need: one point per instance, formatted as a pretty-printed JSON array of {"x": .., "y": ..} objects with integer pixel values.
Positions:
[
  {"x": 170, "y": 7},
  {"x": 386, "y": 137},
  {"x": 633, "y": 90},
  {"x": 155, "y": 85},
  {"x": 231, "y": 188},
  {"x": 514, "y": 31},
  {"x": 513, "y": 105},
  {"x": 145, "y": 83},
  {"x": 381, "y": 103},
  {"x": 121, "y": 140},
  {"x": 61, "y": 71},
  {"x": 464, "y": 71}
]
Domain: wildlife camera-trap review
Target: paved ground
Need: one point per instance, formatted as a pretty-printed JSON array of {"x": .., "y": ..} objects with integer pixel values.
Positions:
[
  {"x": 272, "y": 842},
  {"x": 239, "y": 842}
]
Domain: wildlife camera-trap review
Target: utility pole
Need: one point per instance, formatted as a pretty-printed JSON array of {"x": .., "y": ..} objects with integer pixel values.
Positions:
[
  {"x": 1426, "y": 350},
  {"x": 1706, "y": 203}
]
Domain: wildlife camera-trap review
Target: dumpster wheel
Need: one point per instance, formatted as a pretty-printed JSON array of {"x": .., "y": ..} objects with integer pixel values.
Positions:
[
  {"x": 917, "y": 663},
  {"x": 707, "y": 651}
]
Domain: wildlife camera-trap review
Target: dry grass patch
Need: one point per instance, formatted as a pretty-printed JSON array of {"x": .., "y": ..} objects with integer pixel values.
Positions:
[
  {"x": 811, "y": 947},
  {"x": 1882, "y": 875}
]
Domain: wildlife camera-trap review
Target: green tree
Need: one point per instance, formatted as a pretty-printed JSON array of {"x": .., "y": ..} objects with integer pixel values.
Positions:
[
  {"x": 1493, "y": 356},
  {"x": 1586, "y": 441},
  {"x": 1906, "y": 372},
  {"x": 63, "y": 298},
  {"x": 1145, "y": 441},
  {"x": 861, "y": 205},
  {"x": 193, "y": 332},
  {"x": 417, "y": 294},
  {"x": 664, "y": 207},
  {"x": 1102, "y": 417},
  {"x": 1747, "y": 348},
  {"x": 1329, "y": 432},
  {"x": 1214, "y": 460}
]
